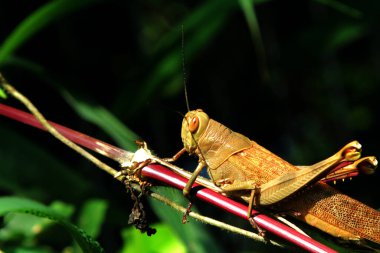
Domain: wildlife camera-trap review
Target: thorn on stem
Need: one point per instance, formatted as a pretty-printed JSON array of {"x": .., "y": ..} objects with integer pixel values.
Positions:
[{"x": 188, "y": 209}]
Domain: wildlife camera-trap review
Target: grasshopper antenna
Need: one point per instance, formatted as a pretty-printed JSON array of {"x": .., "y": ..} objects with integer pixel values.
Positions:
[
  {"x": 184, "y": 68},
  {"x": 184, "y": 217},
  {"x": 185, "y": 86}
]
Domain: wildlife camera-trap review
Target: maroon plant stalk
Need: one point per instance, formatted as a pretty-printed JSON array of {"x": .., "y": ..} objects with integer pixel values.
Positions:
[
  {"x": 164, "y": 175},
  {"x": 75, "y": 136}
]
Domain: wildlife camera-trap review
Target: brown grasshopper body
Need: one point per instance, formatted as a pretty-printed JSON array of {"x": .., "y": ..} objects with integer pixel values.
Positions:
[{"x": 242, "y": 168}]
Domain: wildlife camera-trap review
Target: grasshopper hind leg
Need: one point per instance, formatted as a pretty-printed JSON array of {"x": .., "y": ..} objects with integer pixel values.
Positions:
[{"x": 253, "y": 199}]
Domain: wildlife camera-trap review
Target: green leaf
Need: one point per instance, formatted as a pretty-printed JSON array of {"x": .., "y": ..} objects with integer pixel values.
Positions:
[
  {"x": 343, "y": 35},
  {"x": 26, "y": 64},
  {"x": 164, "y": 240},
  {"x": 30, "y": 226},
  {"x": 38, "y": 170},
  {"x": 341, "y": 7},
  {"x": 42, "y": 17},
  {"x": 65, "y": 209},
  {"x": 33, "y": 232},
  {"x": 92, "y": 216},
  {"x": 20, "y": 205},
  {"x": 248, "y": 8},
  {"x": 105, "y": 120},
  {"x": 3, "y": 94}
]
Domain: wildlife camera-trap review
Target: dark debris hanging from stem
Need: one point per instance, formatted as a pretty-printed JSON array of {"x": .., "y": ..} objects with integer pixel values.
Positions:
[{"x": 138, "y": 215}]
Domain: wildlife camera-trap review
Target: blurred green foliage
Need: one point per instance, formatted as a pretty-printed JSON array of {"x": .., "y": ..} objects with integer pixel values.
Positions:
[
  {"x": 27, "y": 228},
  {"x": 299, "y": 77}
]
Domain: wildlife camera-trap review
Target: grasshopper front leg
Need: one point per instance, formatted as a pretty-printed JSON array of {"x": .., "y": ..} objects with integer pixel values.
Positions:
[
  {"x": 194, "y": 175},
  {"x": 197, "y": 171}
]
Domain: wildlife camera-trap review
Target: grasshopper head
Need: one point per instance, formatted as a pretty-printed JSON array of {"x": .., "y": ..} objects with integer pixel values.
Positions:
[{"x": 193, "y": 126}]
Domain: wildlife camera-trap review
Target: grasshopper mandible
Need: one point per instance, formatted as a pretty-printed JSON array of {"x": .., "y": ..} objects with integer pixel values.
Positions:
[{"x": 244, "y": 169}]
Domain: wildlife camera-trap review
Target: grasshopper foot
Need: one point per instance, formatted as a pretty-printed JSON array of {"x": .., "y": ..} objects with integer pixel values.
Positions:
[{"x": 253, "y": 223}]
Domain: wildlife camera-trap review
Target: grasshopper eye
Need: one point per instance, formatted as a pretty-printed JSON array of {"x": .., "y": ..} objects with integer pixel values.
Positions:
[{"x": 193, "y": 124}]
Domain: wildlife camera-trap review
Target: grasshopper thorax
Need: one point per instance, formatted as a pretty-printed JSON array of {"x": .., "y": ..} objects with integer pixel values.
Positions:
[{"x": 193, "y": 126}]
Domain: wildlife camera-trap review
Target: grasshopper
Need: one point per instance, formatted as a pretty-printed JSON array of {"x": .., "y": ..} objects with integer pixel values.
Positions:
[{"x": 244, "y": 169}]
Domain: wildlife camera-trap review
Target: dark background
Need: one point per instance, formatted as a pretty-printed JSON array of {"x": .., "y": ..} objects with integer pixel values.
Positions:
[{"x": 310, "y": 89}]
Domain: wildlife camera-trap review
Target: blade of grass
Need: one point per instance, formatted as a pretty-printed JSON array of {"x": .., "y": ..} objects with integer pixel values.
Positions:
[
  {"x": 248, "y": 8},
  {"x": 104, "y": 119},
  {"x": 344, "y": 35},
  {"x": 341, "y": 7},
  {"x": 42, "y": 17}
]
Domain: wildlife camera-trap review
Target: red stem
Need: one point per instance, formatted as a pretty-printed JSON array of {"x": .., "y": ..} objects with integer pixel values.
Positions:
[
  {"x": 75, "y": 136},
  {"x": 163, "y": 174}
]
